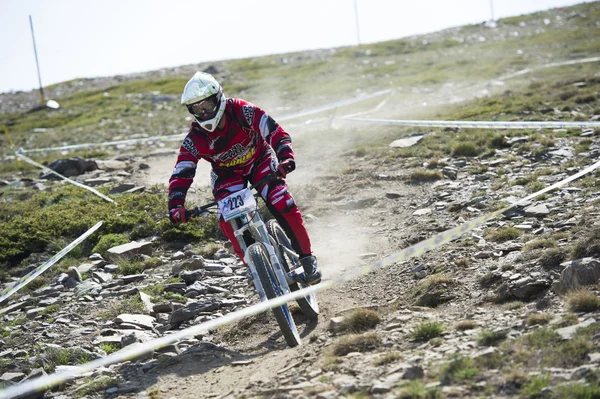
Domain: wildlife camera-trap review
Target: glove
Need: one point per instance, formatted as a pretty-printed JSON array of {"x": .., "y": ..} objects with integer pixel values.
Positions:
[
  {"x": 177, "y": 215},
  {"x": 286, "y": 166}
]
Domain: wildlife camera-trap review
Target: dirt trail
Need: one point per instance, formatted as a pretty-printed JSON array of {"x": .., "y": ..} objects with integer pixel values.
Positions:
[{"x": 350, "y": 222}]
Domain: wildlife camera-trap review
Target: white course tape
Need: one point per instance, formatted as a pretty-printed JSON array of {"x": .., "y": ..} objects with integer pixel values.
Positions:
[
  {"x": 334, "y": 105},
  {"x": 479, "y": 124},
  {"x": 552, "y": 64},
  {"x": 42, "y": 268},
  {"x": 130, "y": 353},
  {"x": 182, "y": 135},
  {"x": 31, "y": 161},
  {"x": 107, "y": 143}
]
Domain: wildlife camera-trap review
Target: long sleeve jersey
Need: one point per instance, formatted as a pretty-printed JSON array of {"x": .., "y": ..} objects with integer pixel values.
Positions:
[{"x": 248, "y": 132}]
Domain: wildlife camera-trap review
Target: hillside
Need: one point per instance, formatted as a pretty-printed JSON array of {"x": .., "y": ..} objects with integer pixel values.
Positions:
[{"x": 508, "y": 310}]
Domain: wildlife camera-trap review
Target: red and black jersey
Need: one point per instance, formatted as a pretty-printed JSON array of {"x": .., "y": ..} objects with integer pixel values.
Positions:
[{"x": 248, "y": 132}]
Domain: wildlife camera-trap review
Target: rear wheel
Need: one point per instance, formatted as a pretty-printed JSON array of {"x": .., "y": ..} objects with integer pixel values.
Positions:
[
  {"x": 308, "y": 304},
  {"x": 266, "y": 274}
]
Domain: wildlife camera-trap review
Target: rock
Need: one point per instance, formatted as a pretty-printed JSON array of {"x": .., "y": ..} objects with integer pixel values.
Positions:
[
  {"x": 537, "y": 210},
  {"x": 335, "y": 324},
  {"x": 14, "y": 377},
  {"x": 413, "y": 373},
  {"x": 32, "y": 313},
  {"x": 85, "y": 267},
  {"x": 97, "y": 181},
  {"x": 73, "y": 273},
  {"x": 422, "y": 212},
  {"x": 567, "y": 332},
  {"x": 163, "y": 98},
  {"x": 132, "y": 278},
  {"x": 526, "y": 289},
  {"x": 121, "y": 188},
  {"x": 141, "y": 320},
  {"x": 192, "y": 310},
  {"x": 450, "y": 172},
  {"x": 71, "y": 167},
  {"x": 102, "y": 277},
  {"x": 88, "y": 287},
  {"x": 576, "y": 274},
  {"x": 189, "y": 277},
  {"x": 147, "y": 301},
  {"x": 406, "y": 142},
  {"x": 192, "y": 264},
  {"x": 130, "y": 250},
  {"x": 562, "y": 152},
  {"x": 393, "y": 195}
]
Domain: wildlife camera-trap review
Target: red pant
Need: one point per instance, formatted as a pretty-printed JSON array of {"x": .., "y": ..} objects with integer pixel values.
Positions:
[{"x": 278, "y": 199}]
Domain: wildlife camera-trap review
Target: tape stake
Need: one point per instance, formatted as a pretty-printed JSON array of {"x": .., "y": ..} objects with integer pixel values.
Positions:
[
  {"x": 42, "y": 268},
  {"x": 479, "y": 124},
  {"x": 133, "y": 352},
  {"x": 32, "y": 162}
]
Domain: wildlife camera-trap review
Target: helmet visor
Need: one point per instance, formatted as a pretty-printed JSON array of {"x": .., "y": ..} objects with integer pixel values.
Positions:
[{"x": 205, "y": 109}]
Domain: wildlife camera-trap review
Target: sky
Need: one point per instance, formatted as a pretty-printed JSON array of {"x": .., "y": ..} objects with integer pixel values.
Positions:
[{"x": 83, "y": 39}]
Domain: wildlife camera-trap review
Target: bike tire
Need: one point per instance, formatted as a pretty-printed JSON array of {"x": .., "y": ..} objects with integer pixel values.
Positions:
[
  {"x": 308, "y": 304},
  {"x": 260, "y": 258}
]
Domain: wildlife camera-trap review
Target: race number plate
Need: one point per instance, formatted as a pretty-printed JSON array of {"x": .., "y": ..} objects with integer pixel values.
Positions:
[{"x": 237, "y": 203}]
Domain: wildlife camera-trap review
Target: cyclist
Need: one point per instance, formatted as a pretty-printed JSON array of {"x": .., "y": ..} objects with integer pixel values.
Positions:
[{"x": 243, "y": 144}]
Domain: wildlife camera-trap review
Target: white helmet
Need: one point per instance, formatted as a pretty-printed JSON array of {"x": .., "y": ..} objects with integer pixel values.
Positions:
[{"x": 204, "y": 99}]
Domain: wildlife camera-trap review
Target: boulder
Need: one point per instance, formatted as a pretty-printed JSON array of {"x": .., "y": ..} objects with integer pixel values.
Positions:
[{"x": 576, "y": 274}]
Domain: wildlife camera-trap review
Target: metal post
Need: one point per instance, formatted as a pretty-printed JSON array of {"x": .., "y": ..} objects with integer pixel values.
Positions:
[
  {"x": 492, "y": 8},
  {"x": 356, "y": 17},
  {"x": 43, "y": 100}
]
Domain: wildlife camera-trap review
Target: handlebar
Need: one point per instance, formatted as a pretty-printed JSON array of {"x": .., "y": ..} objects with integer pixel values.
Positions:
[{"x": 197, "y": 211}]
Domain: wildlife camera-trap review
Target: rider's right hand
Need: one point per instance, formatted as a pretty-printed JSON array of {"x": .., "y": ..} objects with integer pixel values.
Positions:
[{"x": 177, "y": 215}]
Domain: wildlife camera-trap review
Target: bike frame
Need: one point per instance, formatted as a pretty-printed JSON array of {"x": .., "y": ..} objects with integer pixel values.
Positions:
[{"x": 255, "y": 225}]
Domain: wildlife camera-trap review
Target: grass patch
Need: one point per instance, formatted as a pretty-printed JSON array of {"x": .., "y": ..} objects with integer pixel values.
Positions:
[
  {"x": 128, "y": 304},
  {"x": 534, "y": 387},
  {"x": 426, "y": 331},
  {"x": 588, "y": 246},
  {"x": 417, "y": 390},
  {"x": 466, "y": 325},
  {"x": 504, "y": 234},
  {"x": 465, "y": 149},
  {"x": 356, "y": 343},
  {"x": 425, "y": 176},
  {"x": 109, "y": 347},
  {"x": 458, "y": 370},
  {"x": 30, "y": 225},
  {"x": 97, "y": 384},
  {"x": 490, "y": 338},
  {"x": 53, "y": 357},
  {"x": 538, "y": 319},
  {"x": 359, "y": 320},
  {"x": 128, "y": 267},
  {"x": 388, "y": 358},
  {"x": 209, "y": 250},
  {"x": 583, "y": 301},
  {"x": 552, "y": 258},
  {"x": 540, "y": 244}
]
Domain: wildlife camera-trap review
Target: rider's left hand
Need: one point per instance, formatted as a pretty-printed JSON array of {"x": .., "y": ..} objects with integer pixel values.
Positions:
[{"x": 286, "y": 166}]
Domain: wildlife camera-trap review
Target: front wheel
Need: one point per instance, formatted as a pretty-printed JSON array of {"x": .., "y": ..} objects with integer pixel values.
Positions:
[
  {"x": 259, "y": 257},
  {"x": 308, "y": 304}
]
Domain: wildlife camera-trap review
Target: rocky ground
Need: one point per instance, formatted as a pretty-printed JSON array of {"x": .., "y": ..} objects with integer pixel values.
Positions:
[
  {"x": 508, "y": 310},
  {"x": 451, "y": 323}
]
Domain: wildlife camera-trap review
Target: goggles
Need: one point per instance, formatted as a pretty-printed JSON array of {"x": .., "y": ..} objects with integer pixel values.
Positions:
[{"x": 204, "y": 109}]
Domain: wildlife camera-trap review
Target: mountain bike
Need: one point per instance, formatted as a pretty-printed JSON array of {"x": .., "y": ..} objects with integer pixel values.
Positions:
[{"x": 273, "y": 263}]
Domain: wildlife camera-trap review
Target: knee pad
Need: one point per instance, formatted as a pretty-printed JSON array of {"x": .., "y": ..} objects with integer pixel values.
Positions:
[{"x": 280, "y": 199}]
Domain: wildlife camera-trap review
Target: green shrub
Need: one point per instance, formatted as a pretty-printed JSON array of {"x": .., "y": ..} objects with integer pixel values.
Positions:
[
  {"x": 504, "y": 234},
  {"x": 356, "y": 343},
  {"x": 109, "y": 241},
  {"x": 359, "y": 320},
  {"x": 426, "y": 331},
  {"x": 465, "y": 149}
]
